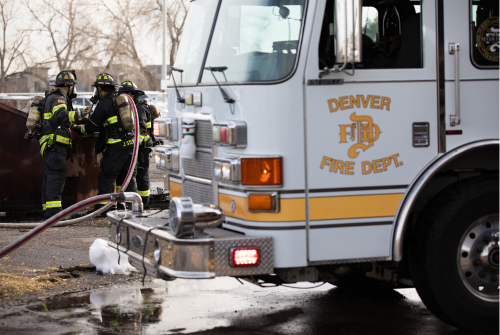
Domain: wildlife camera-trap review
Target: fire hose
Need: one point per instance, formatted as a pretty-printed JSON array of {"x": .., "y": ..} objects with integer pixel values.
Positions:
[
  {"x": 121, "y": 197},
  {"x": 13, "y": 225}
]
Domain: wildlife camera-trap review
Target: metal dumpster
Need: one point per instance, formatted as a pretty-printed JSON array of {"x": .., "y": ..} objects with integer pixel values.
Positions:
[{"x": 21, "y": 164}]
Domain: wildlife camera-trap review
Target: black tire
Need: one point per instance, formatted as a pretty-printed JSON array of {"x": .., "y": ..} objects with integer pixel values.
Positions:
[{"x": 438, "y": 260}]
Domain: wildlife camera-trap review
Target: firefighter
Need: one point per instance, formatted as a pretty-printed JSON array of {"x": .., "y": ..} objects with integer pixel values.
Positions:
[
  {"x": 146, "y": 137},
  {"x": 55, "y": 142},
  {"x": 115, "y": 143}
]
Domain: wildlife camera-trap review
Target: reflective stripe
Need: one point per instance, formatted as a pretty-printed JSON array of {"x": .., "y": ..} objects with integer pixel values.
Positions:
[
  {"x": 111, "y": 120},
  {"x": 118, "y": 188},
  {"x": 113, "y": 141},
  {"x": 63, "y": 140},
  {"x": 71, "y": 116},
  {"x": 42, "y": 149},
  {"x": 44, "y": 206},
  {"x": 144, "y": 193},
  {"x": 103, "y": 203},
  {"x": 47, "y": 116},
  {"x": 44, "y": 137},
  {"x": 56, "y": 108},
  {"x": 143, "y": 138},
  {"x": 82, "y": 129},
  {"x": 148, "y": 125},
  {"x": 53, "y": 204}
]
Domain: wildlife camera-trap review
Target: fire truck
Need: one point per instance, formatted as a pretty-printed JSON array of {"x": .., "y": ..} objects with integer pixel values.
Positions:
[{"x": 332, "y": 140}]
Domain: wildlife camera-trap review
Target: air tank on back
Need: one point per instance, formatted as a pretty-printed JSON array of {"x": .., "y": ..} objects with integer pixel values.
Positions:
[
  {"x": 154, "y": 112},
  {"x": 35, "y": 112},
  {"x": 125, "y": 112}
]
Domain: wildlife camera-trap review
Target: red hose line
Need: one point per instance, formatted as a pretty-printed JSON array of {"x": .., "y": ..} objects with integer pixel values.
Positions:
[{"x": 49, "y": 222}]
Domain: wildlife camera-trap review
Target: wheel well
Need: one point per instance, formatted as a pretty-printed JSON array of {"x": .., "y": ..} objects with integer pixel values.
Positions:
[{"x": 482, "y": 161}]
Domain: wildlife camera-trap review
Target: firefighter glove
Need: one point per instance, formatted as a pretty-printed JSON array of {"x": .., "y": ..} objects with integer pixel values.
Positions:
[
  {"x": 86, "y": 111},
  {"x": 76, "y": 128}
]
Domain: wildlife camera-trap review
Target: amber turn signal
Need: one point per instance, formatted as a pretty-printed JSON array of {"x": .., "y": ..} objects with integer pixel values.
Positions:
[
  {"x": 261, "y": 171},
  {"x": 260, "y": 202}
]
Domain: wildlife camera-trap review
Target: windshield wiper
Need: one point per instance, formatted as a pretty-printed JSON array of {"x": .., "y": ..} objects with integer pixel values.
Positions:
[
  {"x": 221, "y": 69},
  {"x": 179, "y": 98}
]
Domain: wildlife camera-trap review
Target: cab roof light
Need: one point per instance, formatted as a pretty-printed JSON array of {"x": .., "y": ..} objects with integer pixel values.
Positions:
[
  {"x": 262, "y": 171},
  {"x": 244, "y": 257},
  {"x": 230, "y": 133}
]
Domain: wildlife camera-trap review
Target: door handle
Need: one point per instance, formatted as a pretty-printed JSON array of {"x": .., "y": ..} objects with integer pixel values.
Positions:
[{"x": 453, "y": 49}]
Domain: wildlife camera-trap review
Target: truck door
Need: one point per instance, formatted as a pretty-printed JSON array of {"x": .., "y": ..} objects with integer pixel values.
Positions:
[
  {"x": 368, "y": 133},
  {"x": 473, "y": 26}
]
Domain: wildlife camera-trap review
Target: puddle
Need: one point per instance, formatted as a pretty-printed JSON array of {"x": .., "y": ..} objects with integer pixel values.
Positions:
[{"x": 221, "y": 306}]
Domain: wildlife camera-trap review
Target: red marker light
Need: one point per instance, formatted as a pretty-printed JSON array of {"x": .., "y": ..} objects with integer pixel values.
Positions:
[
  {"x": 156, "y": 129},
  {"x": 223, "y": 134},
  {"x": 245, "y": 257}
]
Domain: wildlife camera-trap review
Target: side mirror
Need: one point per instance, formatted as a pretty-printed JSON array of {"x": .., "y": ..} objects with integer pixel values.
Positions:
[
  {"x": 347, "y": 32},
  {"x": 348, "y": 21}
]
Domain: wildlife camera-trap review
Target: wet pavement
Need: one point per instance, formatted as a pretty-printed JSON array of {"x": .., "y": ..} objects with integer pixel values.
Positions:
[{"x": 222, "y": 306}]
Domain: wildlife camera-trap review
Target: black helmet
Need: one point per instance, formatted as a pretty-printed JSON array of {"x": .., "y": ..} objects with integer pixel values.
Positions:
[
  {"x": 65, "y": 78},
  {"x": 104, "y": 79},
  {"x": 128, "y": 86}
]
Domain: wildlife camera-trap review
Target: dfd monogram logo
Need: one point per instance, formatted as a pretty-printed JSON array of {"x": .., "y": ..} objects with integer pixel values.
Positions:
[{"x": 363, "y": 130}]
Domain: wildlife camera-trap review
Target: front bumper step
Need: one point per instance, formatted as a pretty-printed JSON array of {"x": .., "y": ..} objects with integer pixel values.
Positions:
[{"x": 207, "y": 255}]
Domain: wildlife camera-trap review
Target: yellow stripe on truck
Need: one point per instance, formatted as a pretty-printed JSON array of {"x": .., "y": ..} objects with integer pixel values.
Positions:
[
  {"x": 353, "y": 207},
  {"x": 290, "y": 210},
  {"x": 175, "y": 189}
]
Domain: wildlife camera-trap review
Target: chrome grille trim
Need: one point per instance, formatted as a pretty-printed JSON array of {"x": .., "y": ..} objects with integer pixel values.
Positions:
[
  {"x": 203, "y": 133},
  {"x": 202, "y": 166},
  {"x": 200, "y": 193}
]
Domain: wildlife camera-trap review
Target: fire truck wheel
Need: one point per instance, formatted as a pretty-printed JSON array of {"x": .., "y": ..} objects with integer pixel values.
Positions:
[{"x": 454, "y": 255}]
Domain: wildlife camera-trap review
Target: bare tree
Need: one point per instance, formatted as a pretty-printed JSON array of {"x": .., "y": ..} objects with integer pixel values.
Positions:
[
  {"x": 122, "y": 41},
  {"x": 176, "y": 12},
  {"x": 67, "y": 26},
  {"x": 13, "y": 39}
]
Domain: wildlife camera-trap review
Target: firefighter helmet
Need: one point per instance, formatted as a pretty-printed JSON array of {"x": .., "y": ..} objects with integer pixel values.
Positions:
[
  {"x": 104, "y": 79},
  {"x": 128, "y": 86},
  {"x": 65, "y": 78}
]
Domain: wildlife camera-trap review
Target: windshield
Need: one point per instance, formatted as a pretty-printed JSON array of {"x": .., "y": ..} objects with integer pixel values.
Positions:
[
  {"x": 256, "y": 40},
  {"x": 195, "y": 37}
]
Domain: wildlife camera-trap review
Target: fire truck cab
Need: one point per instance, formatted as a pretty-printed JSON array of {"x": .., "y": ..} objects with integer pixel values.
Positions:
[{"x": 333, "y": 140}]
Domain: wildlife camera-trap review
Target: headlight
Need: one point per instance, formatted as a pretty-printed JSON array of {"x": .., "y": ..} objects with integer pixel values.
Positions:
[
  {"x": 227, "y": 169},
  {"x": 167, "y": 158},
  {"x": 218, "y": 170}
]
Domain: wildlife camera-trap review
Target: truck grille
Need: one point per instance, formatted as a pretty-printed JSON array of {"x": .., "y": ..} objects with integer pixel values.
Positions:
[
  {"x": 202, "y": 166},
  {"x": 204, "y": 137},
  {"x": 200, "y": 193}
]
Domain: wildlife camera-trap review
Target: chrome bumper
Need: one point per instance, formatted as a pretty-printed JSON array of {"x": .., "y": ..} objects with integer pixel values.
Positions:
[{"x": 207, "y": 255}]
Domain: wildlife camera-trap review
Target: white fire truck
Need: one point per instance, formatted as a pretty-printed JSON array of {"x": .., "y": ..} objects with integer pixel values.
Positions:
[{"x": 333, "y": 140}]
